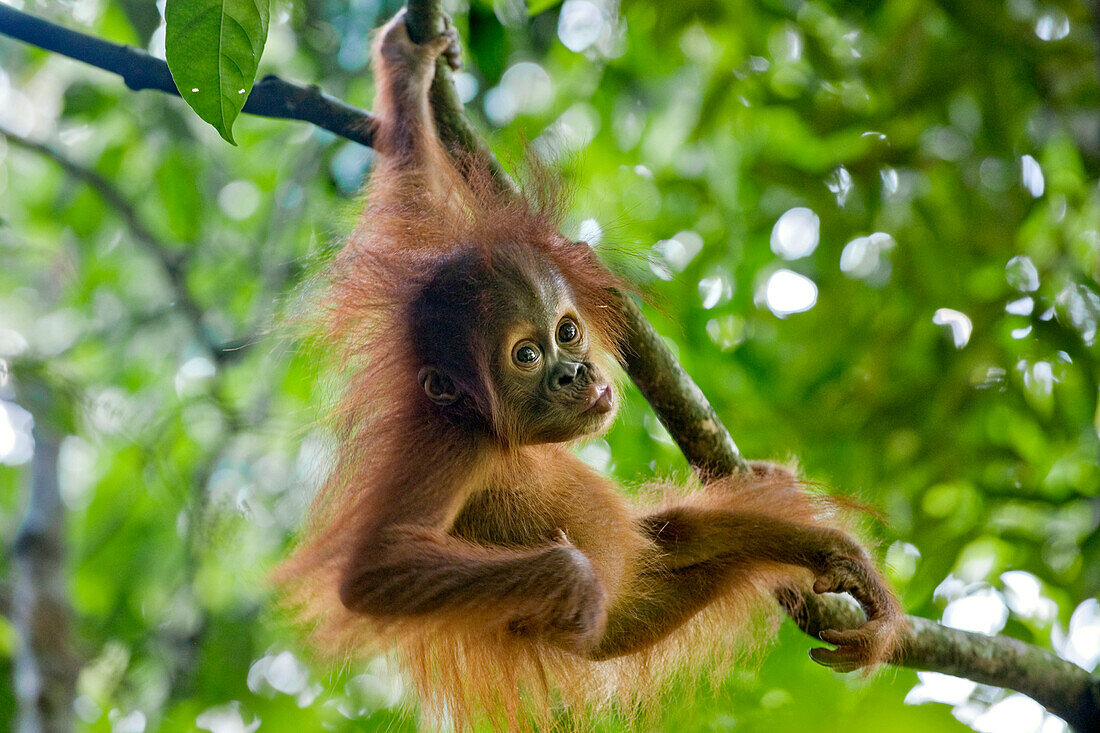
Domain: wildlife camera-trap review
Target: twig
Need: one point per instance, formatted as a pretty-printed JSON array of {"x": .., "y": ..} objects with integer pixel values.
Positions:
[{"x": 270, "y": 97}]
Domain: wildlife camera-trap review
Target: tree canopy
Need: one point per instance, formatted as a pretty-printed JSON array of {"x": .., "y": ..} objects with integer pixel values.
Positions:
[{"x": 869, "y": 230}]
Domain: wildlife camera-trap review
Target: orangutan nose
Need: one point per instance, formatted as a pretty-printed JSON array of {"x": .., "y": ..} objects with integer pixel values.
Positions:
[{"x": 565, "y": 373}]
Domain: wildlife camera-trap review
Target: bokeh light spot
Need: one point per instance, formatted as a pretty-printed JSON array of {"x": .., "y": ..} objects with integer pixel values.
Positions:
[
  {"x": 796, "y": 233},
  {"x": 788, "y": 292}
]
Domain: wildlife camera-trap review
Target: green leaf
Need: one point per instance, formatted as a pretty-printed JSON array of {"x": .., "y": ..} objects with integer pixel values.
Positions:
[
  {"x": 213, "y": 48},
  {"x": 534, "y": 7}
]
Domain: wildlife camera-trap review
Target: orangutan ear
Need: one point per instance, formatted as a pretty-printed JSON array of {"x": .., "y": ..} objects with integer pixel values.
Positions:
[{"x": 438, "y": 386}]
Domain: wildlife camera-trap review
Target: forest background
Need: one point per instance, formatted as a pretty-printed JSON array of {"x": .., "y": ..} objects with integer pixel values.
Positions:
[{"x": 870, "y": 231}]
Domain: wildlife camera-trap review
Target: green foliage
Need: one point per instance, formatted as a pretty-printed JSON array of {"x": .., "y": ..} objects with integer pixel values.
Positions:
[
  {"x": 935, "y": 165},
  {"x": 534, "y": 7},
  {"x": 213, "y": 48}
]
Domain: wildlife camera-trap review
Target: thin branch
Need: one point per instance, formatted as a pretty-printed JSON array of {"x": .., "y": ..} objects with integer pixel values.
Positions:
[
  {"x": 171, "y": 263},
  {"x": 1066, "y": 690},
  {"x": 111, "y": 195},
  {"x": 270, "y": 97}
]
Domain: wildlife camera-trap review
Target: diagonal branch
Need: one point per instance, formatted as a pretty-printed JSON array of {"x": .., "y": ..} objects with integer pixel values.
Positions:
[
  {"x": 426, "y": 20},
  {"x": 679, "y": 403}
]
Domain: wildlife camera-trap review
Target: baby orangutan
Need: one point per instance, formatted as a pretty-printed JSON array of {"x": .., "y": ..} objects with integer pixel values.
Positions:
[{"x": 457, "y": 527}]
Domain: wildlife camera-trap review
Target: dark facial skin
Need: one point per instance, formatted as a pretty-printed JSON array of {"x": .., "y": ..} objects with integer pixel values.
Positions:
[
  {"x": 546, "y": 384},
  {"x": 549, "y": 388}
]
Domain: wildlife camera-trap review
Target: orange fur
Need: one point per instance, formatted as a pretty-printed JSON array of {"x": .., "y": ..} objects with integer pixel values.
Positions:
[{"x": 418, "y": 507}]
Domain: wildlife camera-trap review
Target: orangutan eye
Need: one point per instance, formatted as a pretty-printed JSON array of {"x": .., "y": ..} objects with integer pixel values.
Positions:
[
  {"x": 567, "y": 332},
  {"x": 526, "y": 354}
]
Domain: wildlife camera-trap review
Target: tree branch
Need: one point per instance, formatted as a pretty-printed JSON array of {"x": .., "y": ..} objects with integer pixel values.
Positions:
[
  {"x": 1066, "y": 690},
  {"x": 1063, "y": 688},
  {"x": 679, "y": 403},
  {"x": 45, "y": 667},
  {"x": 425, "y": 20},
  {"x": 270, "y": 97}
]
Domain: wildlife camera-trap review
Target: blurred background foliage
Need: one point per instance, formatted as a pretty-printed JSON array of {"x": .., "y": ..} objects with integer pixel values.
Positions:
[{"x": 870, "y": 230}]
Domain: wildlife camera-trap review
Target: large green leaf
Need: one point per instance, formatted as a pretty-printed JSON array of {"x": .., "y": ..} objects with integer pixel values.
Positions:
[{"x": 213, "y": 49}]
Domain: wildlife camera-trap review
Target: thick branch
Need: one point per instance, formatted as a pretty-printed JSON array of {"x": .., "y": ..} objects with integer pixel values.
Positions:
[
  {"x": 679, "y": 403},
  {"x": 270, "y": 97},
  {"x": 1066, "y": 690}
]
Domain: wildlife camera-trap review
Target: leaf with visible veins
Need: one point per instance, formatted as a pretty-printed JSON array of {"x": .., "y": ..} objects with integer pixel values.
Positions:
[{"x": 213, "y": 49}]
